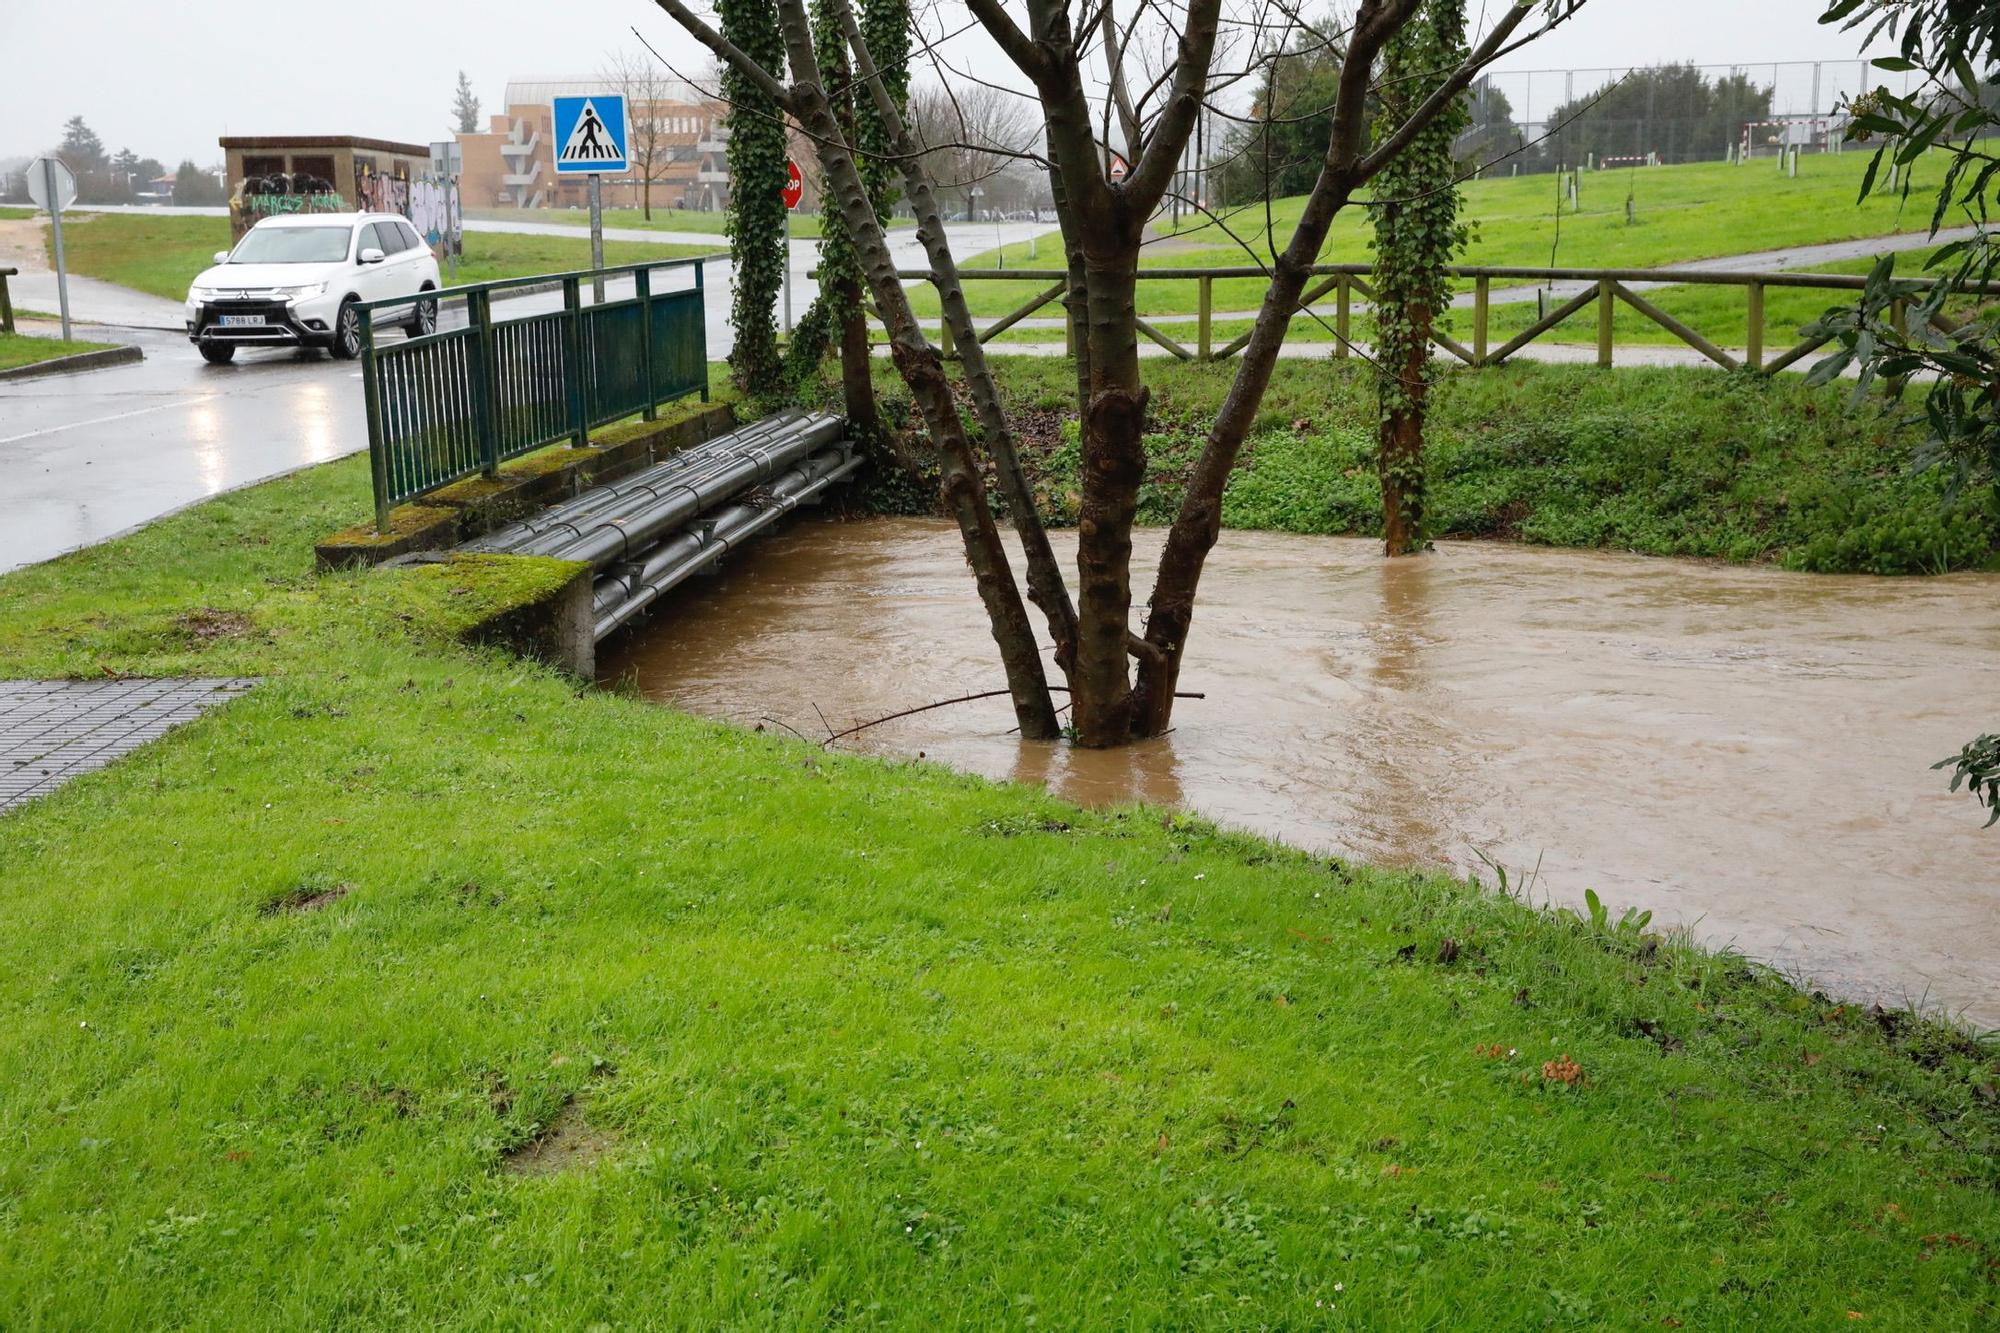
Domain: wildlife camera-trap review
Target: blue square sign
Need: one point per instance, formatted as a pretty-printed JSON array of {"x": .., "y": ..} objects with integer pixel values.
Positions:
[{"x": 590, "y": 134}]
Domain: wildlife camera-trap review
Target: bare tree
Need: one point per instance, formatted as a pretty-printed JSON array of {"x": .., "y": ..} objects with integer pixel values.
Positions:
[
  {"x": 647, "y": 89},
  {"x": 982, "y": 133},
  {"x": 1119, "y": 99}
]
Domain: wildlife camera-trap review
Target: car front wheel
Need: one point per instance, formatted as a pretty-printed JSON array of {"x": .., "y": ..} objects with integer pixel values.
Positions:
[
  {"x": 218, "y": 354},
  {"x": 347, "y": 332},
  {"x": 423, "y": 319}
]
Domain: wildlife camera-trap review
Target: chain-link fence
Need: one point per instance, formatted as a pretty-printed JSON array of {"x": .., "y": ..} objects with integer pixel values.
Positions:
[{"x": 1553, "y": 119}]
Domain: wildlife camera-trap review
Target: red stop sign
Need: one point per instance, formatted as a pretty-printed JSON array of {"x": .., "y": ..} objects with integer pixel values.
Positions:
[{"x": 795, "y": 185}]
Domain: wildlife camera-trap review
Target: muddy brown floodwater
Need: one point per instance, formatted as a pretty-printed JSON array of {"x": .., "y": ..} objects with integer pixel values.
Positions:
[{"x": 1745, "y": 751}]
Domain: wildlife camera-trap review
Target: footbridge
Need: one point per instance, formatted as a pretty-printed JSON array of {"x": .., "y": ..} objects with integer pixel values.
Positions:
[{"x": 647, "y": 532}]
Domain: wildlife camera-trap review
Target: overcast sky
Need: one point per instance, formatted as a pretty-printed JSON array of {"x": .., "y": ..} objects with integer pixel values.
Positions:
[{"x": 167, "y": 79}]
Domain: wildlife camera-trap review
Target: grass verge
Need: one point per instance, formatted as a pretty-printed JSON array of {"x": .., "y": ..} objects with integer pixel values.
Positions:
[
  {"x": 21, "y": 349},
  {"x": 419, "y": 986},
  {"x": 162, "y": 255}
]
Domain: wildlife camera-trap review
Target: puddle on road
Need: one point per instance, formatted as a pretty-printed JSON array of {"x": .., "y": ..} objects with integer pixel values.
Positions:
[{"x": 1745, "y": 750}]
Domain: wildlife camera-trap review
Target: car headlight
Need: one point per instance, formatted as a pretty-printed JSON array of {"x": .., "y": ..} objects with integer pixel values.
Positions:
[
  {"x": 203, "y": 293},
  {"x": 301, "y": 293}
]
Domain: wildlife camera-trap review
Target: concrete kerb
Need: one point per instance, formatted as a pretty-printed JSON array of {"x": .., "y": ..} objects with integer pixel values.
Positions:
[{"x": 101, "y": 359}]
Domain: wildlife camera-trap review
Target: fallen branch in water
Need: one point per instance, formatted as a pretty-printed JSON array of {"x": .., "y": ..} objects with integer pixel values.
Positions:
[{"x": 833, "y": 735}]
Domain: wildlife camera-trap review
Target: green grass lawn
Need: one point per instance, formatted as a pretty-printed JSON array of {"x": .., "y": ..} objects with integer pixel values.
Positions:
[
  {"x": 804, "y": 224},
  {"x": 1680, "y": 213},
  {"x": 20, "y": 349},
  {"x": 11, "y": 214},
  {"x": 421, "y": 986},
  {"x": 162, "y": 255}
]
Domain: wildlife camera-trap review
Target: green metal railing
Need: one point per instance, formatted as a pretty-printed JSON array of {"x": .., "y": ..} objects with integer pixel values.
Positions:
[{"x": 460, "y": 401}]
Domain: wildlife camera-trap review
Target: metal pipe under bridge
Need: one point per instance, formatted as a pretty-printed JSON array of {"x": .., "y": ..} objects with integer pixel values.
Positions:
[{"x": 646, "y": 533}]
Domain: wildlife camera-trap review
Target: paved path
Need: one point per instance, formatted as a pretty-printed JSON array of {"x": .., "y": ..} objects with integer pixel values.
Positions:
[
  {"x": 54, "y": 730},
  {"x": 90, "y": 301}
]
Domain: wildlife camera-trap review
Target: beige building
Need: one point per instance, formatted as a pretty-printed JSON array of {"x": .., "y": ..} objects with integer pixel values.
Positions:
[{"x": 512, "y": 164}]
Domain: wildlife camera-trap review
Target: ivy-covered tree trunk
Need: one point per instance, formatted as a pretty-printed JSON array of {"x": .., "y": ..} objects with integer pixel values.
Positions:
[
  {"x": 1417, "y": 232},
  {"x": 755, "y": 221}
]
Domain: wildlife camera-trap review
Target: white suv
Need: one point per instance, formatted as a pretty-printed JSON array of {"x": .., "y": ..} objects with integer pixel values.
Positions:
[{"x": 294, "y": 282}]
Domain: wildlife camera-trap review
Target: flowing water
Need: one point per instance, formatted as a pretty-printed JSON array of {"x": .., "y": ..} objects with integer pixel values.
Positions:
[{"x": 1744, "y": 750}]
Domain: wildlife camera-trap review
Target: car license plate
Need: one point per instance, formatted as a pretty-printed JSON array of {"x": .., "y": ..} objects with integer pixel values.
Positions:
[{"x": 240, "y": 319}]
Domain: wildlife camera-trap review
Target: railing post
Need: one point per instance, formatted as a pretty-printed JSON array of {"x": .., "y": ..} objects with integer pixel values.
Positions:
[
  {"x": 1480, "y": 291},
  {"x": 371, "y": 397},
  {"x": 485, "y": 382},
  {"x": 1207, "y": 345},
  {"x": 1753, "y": 349},
  {"x": 701, "y": 307},
  {"x": 1604, "y": 323},
  {"x": 6, "y": 302},
  {"x": 642, "y": 282},
  {"x": 1341, "y": 303},
  {"x": 574, "y": 377}
]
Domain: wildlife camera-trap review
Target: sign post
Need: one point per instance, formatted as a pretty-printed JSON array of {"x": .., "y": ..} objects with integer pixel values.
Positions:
[
  {"x": 447, "y": 160},
  {"x": 52, "y": 185},
  {"x": 591, "y": 138},
  {"x": 795, "y": 190}
]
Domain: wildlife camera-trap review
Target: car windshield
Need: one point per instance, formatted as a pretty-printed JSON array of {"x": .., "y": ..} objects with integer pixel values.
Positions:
[{"x": 292, "y": 245}]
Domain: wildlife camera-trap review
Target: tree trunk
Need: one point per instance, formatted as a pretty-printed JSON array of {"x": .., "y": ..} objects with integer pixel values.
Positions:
[
  {"x": 857, "y": 385},
  {"x": 1114, "y": 466},
  {"x": 1045, "y": 581},
  {"x": 922, "y": 370},
  {"x": 1400, "y": 456}
]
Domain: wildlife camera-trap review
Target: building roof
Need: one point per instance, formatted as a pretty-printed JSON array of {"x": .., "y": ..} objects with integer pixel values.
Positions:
[
  {"x": 537, "y": 92},
  {"x": 269, "y": 142}
]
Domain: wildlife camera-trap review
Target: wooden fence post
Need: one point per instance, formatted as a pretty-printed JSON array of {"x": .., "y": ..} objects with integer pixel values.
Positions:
[
  {"x": 1753, "y": 350},
  {"x": 1604, "y": 323},
  {"x": 1480, "y": 291},
  {"x": 1207, "y": 298},
  {"x": 1341, "y": 302}
]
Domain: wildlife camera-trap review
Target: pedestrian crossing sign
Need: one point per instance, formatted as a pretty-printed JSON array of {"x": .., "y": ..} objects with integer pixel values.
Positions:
[{"x": 590, "y": 134}]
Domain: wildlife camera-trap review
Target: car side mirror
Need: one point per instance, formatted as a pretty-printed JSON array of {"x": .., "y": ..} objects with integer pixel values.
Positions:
[
  {"x": 372, "y": 256},
  {"x": 222, "y": 256}
]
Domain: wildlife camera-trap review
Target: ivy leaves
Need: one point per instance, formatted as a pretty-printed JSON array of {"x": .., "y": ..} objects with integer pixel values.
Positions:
[{"x": 755, "y": 221}]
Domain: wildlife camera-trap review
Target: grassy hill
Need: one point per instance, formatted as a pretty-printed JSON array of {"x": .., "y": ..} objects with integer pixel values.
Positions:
[{"x": 1699, "y": 211}]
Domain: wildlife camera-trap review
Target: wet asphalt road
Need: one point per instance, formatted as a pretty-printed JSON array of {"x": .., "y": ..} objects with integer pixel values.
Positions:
[{"x": 85, "y": 457}]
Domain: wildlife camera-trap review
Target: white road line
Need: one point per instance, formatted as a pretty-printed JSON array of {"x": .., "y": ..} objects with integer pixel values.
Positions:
[{"x": 99, "y": 421}]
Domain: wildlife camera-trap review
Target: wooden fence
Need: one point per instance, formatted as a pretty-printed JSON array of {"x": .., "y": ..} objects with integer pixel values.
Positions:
[{"x": 1344, "y": 282}]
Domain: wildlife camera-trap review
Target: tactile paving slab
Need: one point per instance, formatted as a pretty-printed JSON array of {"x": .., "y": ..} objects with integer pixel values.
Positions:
[{"x": 53, "y": 730}]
